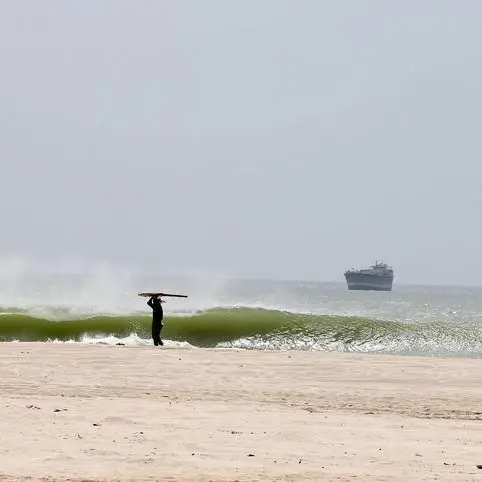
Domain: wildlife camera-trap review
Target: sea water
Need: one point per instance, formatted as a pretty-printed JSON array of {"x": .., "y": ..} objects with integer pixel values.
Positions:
[{"x": 234, "y": 313}]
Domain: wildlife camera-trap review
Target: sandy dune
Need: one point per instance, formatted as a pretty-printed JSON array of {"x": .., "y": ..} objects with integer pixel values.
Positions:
[{"x": 83, "y": 412}]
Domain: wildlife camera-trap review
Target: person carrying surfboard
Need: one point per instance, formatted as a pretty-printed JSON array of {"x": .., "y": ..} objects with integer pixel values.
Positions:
[
  {"x": 154, "y": 302},
  {"x": 157, "y": 317}
]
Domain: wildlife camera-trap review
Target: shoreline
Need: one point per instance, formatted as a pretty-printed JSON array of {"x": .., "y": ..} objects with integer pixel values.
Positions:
[
  {"x": 185, "y": 345},
  {"x": 103, "y": 412}
]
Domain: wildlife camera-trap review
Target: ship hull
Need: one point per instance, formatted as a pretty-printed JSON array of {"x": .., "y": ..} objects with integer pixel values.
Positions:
[
  {"x": 365, "y": 287},
  {"x": 364, "y": 282}
]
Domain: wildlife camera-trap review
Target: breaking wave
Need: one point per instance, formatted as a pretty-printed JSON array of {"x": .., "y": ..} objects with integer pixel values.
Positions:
[{"x": 257, "y": 328}]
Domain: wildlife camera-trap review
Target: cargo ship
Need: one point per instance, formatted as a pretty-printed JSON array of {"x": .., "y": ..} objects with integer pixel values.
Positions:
[{"x": 378, "y": 277}]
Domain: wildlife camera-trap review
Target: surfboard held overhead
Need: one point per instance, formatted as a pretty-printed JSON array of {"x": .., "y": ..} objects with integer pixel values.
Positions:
[{"x": 149, "y": 295}]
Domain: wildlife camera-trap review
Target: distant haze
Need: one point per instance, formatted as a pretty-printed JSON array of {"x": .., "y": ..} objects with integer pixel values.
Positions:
[{"x": 273, "y": 138}]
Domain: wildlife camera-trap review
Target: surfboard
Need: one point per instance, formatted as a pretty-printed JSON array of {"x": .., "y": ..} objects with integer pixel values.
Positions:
[{"x": 149, "y": 295}]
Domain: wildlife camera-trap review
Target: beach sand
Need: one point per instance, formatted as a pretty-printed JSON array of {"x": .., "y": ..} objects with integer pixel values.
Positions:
[{"x": 90, "y": 412}]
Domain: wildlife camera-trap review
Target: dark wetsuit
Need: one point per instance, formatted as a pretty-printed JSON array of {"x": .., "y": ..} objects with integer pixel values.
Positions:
[{"x": 157, "y": 316}]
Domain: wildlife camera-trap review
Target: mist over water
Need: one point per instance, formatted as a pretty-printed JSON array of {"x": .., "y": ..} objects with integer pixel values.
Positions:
[{"x": 97, "y": 303}]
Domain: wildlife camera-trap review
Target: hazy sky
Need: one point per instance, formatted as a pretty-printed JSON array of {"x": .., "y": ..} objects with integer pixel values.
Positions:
[{"x": 273, "y": 138}]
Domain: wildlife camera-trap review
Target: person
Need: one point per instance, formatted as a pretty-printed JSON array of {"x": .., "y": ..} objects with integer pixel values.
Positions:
[{"x": 157, "y": 317}]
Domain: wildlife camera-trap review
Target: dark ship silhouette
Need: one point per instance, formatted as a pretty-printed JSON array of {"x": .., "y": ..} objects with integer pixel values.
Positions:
[{"x": 378, "y": 277}]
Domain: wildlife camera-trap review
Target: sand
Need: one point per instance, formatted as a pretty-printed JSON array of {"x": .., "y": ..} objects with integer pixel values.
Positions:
[{"x": 85, "y": 412}]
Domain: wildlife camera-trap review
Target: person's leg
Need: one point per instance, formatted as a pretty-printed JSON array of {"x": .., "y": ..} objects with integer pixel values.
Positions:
[
  {"x": 161, "y": 326},
  {"x": 156, "y": 330}
]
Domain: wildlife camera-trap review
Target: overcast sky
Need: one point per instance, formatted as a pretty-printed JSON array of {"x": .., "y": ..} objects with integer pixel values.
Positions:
[{"x": 267, "y": 138}]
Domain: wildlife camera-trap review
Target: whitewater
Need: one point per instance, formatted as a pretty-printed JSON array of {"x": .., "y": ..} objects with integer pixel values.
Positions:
[{"x": 103, "y": 307}]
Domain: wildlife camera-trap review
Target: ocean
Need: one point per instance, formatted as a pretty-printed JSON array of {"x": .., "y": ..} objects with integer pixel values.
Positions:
[{"x": 242, "y": 314}]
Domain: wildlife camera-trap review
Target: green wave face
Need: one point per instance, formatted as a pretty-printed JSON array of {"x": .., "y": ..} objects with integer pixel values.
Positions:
[
  {"x": 207, "y": 328},
  {"x": 261, "y": 329}
]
